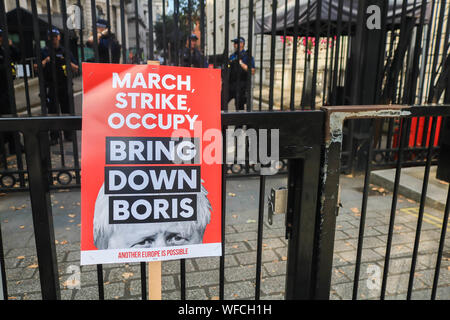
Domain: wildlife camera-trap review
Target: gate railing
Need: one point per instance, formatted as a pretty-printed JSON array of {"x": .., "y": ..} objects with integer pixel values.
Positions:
[{"x": 311, "y": 142}]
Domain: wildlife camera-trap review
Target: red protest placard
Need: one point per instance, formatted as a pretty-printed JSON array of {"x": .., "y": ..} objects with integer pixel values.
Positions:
[{"x": 151, "y": 163}]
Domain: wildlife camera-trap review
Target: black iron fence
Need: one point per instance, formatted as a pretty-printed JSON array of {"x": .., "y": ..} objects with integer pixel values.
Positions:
[
  {"x": 308, "y": 55},
  {"x": 311, "y": 141}
]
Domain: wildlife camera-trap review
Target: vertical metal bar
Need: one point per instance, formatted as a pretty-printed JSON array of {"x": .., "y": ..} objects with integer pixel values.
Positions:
[
  {"x": 54, "y": 89},
  {"x": 262, "y": 183},
  {"x": 177, "y": 31},
  {"x": 202, "y": 26},
  {"x": 143, "y": 281},
  {"x": 316, "y": 54},
  {"x": 108, "y": 18},
  {"x": 22, "y": 57},
  {"x": 249, "y": 97},
  {"x": 67, "y": 54},
  {"x": 261, "y": 55},
  {"x": 136, "y": 20},
  {"x": 441, "y": 246},
  {"x": 81, "y": 30},
  {"x": 189, "y": 13},
  {"x": 284, "y": 55},
  {"x": 272, "y": 53},
  {"x": 122, "y": 29},
  {"x": 405, "y": 124},
  {"x": 183, "y": 278},
  {"x": 164, "y": 31},
  {"x": 42, "y": 91},
  {"x": 215, "y": 32},
  {"x": 414, "y": 75},
  {"x": 430, "y": 48},
  {"x": 237, "y": 84},
  {"x": 436, "y": 53},
  {"x": 94, "y": 29},
  {"x": 101, "y": 287},
  {"x": 68, "y": 62},
  {"x": 325, "y": 73},
  {"x": 306, "y": 65},
  {"x": 7, "y": 60},
  {"x": 37, "y": 156},
  {"x": 294, "y": 54},
  {"x": 151, "y": 45},
  {"x": 3, "y": 282},
  {"x": 336, "y": 69},
  {"x": 224, "y": 202},
  {"x": 421, "y": 208},
  {"x": 362, "y": 222},
  {"x": 226, "y": 49}
]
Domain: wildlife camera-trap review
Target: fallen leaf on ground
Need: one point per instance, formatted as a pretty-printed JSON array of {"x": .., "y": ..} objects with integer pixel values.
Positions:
[
  {"x": 22, "y": 227},
  {"x": 355, "y": 210},
  {"x": 20, "y": 257},
  {"x": 71, "y": 215},
  {"x": 231, "y": 194},
  {"x": 127, "y": 275},
  {"x": 63, "y": 242},
  {"x": 283, "y": 258},
  {"x": 234, "y": 216},
  {"x": 32, "y": 266}
]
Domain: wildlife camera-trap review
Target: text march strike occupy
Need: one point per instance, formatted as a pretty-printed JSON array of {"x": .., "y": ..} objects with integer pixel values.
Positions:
[{"x": 152, "y": 101}]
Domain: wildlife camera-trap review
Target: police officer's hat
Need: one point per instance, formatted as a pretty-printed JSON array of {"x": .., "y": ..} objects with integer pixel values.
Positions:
[
  {"x": 240, "y": 39},
  {"x": 193, "y": 37},
  {"x": 53, "y": 32},
  {"x": 102, "y": 23},
  {"x": 1, "y": 31}
]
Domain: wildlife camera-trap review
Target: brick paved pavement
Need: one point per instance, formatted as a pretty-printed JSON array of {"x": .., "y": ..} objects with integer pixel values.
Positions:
[{"x": 202, "y": 279}]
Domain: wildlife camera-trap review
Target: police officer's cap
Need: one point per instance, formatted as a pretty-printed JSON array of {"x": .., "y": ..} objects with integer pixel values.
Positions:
[
  {"x": 102, "y": 23},
  {"x": 1, "y": 31},
  {"x": 240, "y": 39},
  {"x": 53, "y": 32}
]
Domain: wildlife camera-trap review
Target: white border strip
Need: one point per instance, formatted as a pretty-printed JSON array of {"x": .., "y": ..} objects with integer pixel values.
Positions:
[{"x": 89, "y": 257}]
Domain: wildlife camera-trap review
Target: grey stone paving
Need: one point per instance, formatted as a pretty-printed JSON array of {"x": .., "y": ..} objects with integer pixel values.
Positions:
[{"x": 202, "y": 278}]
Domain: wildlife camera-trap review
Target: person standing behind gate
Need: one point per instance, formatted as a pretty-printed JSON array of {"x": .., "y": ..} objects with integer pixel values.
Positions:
[
  {"x": 60, "y": 92},
  {"x": 241, "y": 66},
  {"x": 192, "y": 57},
  {"x": 5, "y": 107},
  {"x": 106, "y": 41}
]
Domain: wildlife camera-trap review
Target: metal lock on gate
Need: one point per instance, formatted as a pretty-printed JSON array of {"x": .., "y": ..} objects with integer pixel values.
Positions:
[{"x": 277, "y": 202}]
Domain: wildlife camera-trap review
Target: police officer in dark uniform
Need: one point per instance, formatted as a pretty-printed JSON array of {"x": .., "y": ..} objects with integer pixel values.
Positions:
[
  {"x": 60, "y": 91},
  {"x": 192, "y": 57},
  {"x": 5, "y": 106},
  {"x": 241, "y": 66},
  {"x": 107, "y": 43}
]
